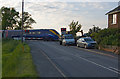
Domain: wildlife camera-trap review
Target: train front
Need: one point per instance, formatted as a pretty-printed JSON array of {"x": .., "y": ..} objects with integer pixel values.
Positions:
[{"x": 43, "y": 34}]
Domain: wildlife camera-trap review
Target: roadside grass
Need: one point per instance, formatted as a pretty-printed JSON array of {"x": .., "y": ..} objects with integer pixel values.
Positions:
[
  {"x": 15, "y": 62},
  {"x": 0, "y": 58}
]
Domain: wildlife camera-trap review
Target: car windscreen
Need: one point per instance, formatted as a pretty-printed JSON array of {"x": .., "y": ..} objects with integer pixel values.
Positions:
[
  {"x": 88, "y": 39},
  {"x": 68, "y": 37}
]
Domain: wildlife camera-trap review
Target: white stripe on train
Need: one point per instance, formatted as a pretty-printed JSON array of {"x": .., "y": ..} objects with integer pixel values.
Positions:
[{"x": 33, "y": 38}]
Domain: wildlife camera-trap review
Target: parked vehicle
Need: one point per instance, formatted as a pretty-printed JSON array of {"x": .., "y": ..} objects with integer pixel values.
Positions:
[
  {"x": 86, "y": 42},
  {"x": 67, "y": 39}
]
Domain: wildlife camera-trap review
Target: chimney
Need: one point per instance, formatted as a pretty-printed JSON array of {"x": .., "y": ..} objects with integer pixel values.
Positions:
[{"x": 119, "y": 3}]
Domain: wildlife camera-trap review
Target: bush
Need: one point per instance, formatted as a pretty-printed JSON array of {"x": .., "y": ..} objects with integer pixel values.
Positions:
[{"x": 109, "y": 36}]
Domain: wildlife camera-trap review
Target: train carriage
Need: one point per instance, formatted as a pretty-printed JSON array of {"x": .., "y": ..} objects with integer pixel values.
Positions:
[{"x": 45, "y": 34}]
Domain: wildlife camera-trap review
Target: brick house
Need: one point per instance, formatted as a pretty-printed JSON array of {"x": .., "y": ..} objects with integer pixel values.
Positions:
[{"x": 114, "y": 18}]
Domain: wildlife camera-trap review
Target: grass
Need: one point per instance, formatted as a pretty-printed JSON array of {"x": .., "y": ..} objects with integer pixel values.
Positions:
[
  {"x": 0, "y": 58},
  {"x": 15, "y": 61}
]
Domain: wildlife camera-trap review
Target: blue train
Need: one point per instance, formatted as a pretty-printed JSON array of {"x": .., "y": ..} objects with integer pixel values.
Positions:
[{"x": 43, "y": 34}]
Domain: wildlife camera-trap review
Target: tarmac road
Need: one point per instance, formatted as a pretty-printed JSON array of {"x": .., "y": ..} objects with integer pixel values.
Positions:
[{"x": 54, "y": 60}]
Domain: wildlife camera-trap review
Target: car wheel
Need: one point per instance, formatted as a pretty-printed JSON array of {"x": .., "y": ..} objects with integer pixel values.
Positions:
[
  {"x": 85, "y": 46},
  {"x": 63, "y": 44},
  {"x": 60, "y": 43}
]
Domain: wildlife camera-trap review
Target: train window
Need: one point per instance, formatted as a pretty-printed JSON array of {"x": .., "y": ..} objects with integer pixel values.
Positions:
[
  {"x": 33, "y": 32},
  {"x": 39, "y": 32},
  {"x": 30, "y": 33}
]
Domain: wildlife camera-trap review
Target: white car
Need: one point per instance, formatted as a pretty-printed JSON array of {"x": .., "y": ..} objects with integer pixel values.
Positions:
[{"x": 68, "y": 40}]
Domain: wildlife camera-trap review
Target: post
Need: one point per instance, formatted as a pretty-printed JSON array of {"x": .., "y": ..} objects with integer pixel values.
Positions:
[{"x": 22, "y": 18}]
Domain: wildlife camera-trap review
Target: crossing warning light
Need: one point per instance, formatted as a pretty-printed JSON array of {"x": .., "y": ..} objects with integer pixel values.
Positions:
[
  {"x": 63, "y": 29},
  {"x": 26, "y": 31}
]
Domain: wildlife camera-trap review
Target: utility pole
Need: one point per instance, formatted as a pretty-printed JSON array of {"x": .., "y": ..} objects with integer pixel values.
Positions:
[
  {"x": 119, "y": 3},
  {"x": 22, "y": 18}
]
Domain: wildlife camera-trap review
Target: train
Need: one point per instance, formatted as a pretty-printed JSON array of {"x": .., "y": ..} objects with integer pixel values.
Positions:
[{"x": 38, "y": 34}]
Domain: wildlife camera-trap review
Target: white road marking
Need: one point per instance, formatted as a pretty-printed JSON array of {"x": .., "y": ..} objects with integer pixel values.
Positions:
[
  {"x": 54, "y": 65},
  {"x": 97, "y": 64},
  {"x": 115, "y": 69},
  {"x": 107, "y": 68}
]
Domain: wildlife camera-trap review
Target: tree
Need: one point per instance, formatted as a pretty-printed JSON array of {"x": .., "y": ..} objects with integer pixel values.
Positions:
[
  {"x": 93, "y": 30},
  {"x": 74, "y": 28},
  {"x": 9, "y": 17},
  {"x": 0, "y": 20},
  {"x": 27, "y": 21},
  {"x": 5, "y": 16}
]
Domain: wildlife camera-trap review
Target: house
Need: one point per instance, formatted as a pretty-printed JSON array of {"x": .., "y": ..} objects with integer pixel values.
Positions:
[{"x": 114, "y": 18}]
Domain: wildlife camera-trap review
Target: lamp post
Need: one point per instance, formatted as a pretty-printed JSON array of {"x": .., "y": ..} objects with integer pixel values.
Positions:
[{"x": 22, "y": 18}]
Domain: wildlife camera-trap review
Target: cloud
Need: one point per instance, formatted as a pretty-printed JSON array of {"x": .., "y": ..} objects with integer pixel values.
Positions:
[
  {"x": 67, "y": 0},
  {"x": 51, "y": 15},
  {"x": 96, "y": 5},
  {"x": 60, "y": 14}
]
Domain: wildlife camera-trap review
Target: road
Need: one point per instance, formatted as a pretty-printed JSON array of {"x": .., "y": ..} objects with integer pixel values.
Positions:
[{"x": 54, "y": 60}]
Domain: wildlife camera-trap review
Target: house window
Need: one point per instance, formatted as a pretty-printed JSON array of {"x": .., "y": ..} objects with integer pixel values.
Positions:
[
  {"x": 114, "y": 19},
  {"x": 39, "y": 32}
]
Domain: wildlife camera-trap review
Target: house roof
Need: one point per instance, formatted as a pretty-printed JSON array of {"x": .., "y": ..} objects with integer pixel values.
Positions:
[{"x": 117, "y": 9}]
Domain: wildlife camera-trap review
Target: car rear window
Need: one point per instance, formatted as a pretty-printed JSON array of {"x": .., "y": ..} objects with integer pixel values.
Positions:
[
  {"x": 68, "y": 37},
  {"x": 88, "y": 39}
]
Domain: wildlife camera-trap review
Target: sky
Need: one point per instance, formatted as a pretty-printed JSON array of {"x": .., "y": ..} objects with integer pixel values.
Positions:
[{"x": 56, "y": 14}]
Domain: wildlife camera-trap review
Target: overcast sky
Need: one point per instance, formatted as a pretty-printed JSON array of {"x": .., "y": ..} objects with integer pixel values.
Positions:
[{"x": 55, "y": 14}]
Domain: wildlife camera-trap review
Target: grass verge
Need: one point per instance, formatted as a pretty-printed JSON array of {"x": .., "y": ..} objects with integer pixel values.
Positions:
[
  {"x": 15, "y": 61},
  {"x": 0, "y": 58}
]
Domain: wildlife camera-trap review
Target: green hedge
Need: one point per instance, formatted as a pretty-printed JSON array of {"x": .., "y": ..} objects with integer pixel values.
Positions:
[{"x": 107, "y": 37}]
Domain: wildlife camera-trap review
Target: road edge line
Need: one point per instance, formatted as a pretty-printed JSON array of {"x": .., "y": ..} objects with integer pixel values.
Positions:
[{"x": 54, "y": 64}]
